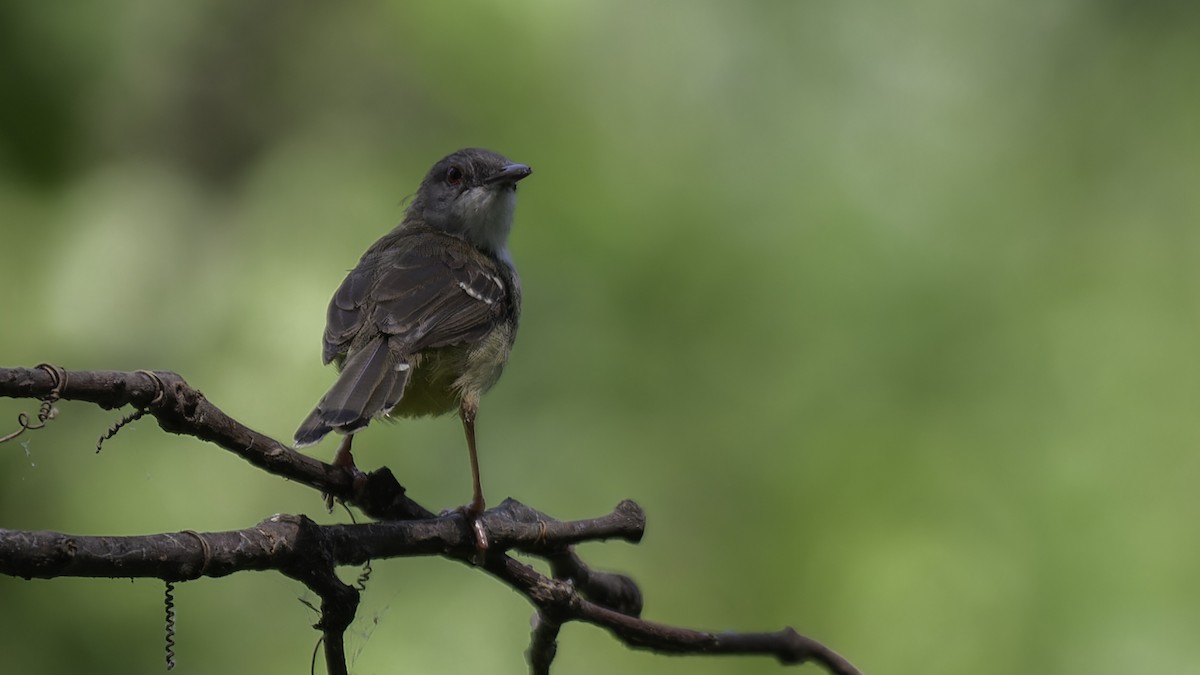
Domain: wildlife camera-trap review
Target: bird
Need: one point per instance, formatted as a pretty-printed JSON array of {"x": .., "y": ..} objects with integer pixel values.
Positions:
[{"x": 424, "y": 323}]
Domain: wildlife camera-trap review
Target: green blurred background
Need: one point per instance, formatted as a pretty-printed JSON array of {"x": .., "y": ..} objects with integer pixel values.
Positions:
[{"x": 886, "y": 314}]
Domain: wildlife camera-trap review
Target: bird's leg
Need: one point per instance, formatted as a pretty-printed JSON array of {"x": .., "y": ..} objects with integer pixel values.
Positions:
[
  {"x": 342, "y": 458},
  {"x": 467, "y": 410}
]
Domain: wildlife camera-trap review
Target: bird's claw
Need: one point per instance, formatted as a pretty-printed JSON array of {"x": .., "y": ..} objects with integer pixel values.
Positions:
[{"x": 474, "y": 518}]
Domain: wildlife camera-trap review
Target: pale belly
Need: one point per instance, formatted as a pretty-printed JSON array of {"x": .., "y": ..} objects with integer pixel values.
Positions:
[{"x": 443, "y": 377}]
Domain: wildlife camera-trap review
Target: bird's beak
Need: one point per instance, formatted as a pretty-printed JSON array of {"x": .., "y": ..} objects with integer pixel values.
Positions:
[{"x": 510, "y": 174}]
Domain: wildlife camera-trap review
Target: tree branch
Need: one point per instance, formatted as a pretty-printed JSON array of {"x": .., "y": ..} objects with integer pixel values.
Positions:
[{"x": 301, "y": 549}]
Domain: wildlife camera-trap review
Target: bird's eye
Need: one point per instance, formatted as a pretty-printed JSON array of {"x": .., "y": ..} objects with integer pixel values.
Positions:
[{"x": 454, "y": 176}]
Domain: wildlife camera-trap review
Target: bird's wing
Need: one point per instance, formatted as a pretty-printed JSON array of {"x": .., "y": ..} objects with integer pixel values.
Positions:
[
  {"x": 346, "y": 312},
  {"x": 432, "y": 294}
]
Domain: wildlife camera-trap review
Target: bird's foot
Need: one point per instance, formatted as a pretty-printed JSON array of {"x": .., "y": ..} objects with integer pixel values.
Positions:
[
  {"x": 473, "y": 513},
  {"x": 343, "y": 457},
  {"x": 360, "y": 482}
]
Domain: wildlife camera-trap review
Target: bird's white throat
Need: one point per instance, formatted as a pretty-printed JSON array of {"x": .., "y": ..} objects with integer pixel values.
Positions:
[{"x": 486, "y": 215}]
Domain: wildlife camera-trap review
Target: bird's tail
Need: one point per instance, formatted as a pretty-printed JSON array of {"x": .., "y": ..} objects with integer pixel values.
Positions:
[{"x": 370, "y": 384}]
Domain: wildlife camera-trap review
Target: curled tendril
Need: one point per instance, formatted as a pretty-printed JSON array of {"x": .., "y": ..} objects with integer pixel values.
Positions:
[
  {"x": 46, "y": 411},
  {"x": 365, "y": 575},
  {"x": 169, "y": 604},
  {"x": 118, "y": 425},
  {"x": 160, "y": 393}
]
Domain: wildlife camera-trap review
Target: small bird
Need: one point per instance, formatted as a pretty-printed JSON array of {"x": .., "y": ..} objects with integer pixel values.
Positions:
[{"x": 423, "y": 325}]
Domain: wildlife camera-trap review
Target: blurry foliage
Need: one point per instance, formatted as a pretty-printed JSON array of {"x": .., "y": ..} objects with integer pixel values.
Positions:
[{"x": 886, "y": 313}]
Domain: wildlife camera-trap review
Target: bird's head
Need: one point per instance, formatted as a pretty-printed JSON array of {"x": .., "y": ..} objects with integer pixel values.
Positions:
[{"x": 471, "y": 194}]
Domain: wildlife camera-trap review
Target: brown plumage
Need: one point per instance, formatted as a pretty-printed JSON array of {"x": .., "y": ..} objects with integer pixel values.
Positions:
[{"x": 424, "y": 323}]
